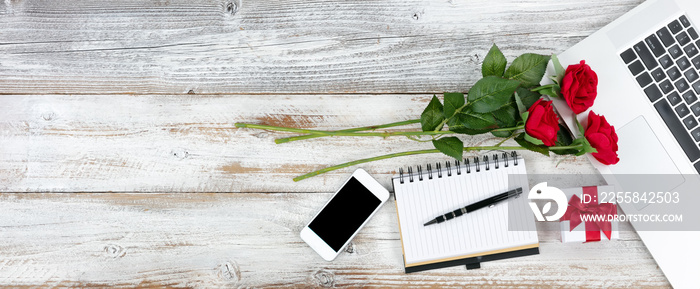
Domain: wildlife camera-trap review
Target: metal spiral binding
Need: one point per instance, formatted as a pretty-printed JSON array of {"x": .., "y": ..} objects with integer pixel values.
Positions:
[{"x": 504, "y": 158}]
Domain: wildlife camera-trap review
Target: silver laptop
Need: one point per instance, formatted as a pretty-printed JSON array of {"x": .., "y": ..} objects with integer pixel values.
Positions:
[{"x": 648, "y": 66}]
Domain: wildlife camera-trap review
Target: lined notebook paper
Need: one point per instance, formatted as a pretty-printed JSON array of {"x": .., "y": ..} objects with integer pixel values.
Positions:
[{"x": 421, "y": 195}]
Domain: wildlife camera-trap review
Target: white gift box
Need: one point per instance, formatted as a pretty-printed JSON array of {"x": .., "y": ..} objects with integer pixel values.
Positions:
[{"x": 578, "y": 234}]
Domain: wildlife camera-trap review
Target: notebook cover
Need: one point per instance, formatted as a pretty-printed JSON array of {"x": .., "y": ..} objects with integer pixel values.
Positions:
[{"x": 474, "y": 260}]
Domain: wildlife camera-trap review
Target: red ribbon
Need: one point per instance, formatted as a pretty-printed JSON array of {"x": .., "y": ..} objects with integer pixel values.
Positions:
[{"x": 577, "y": 208}]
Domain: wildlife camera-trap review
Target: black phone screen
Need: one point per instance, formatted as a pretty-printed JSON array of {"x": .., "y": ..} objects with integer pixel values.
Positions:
[{"x": 344, "y": 214}]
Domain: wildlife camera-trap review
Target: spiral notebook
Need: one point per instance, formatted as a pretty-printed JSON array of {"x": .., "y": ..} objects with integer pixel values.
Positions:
[{"x": 482, "y": 235}]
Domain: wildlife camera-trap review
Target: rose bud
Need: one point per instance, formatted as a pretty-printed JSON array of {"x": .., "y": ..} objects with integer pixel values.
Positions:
[
  {"x": 579, "y": 87},
  {"x": 601, "y": 135},
  {"x": 542, "y": 123}
]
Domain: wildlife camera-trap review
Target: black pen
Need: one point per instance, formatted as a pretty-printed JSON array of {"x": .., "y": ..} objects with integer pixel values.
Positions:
[{"x": 475, "y": 206}]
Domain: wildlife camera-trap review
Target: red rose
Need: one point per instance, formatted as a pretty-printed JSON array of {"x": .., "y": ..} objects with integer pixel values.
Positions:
[
  {"x": 603, "y": 138},
  {"x": 579, "y": 87},
  {"x": 542, "y": 123}
]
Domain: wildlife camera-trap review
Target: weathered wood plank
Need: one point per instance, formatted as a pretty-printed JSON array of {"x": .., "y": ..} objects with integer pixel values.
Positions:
[
  {"x": 171, "y": 143},
  {"x": 212, "y": 240},
  {"x": 233, "y": 46}
]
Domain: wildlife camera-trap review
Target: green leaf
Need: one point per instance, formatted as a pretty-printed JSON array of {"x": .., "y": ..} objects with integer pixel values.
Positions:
[
  {"x": 524, "y": 117},
  {"x": 519, "y": 103},
  {"x": 432, "y": 116},
  {"x": 450, "y": 146},
  {"x": 580, "y": 127},
  {"x": 502, "y": 133},
  {"x": 558, "y": 69},
  {"x": 453, "y": 101},
  {"x": 586, "y": 146},
  {"x": 472, "y": 123},
  {"x": 528, "y": 97},
  {"x": 520, "y": 139},
  {"x": 533, "y": 140},
  {"x": 552, "y": 90},
  {"x": 494, "y": 63},
  {"x": 564, "y": 138},
  {"x": 490, "y": 93},
  {"x": 528, "y": 68},
  {"x": 506, "y": 115}
]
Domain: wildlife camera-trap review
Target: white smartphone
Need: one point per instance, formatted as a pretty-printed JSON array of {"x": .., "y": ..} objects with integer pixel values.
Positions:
[{"x": 344, "y": 215}]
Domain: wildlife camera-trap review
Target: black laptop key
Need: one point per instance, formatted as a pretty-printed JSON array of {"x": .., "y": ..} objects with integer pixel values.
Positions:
[
  {"x": 655, "y": 45},
  {"x": 682, "y": 110},
  {"x": 644, "y": 53},
  {"x": 696, "y": 134},
  {"x": 696, "y": 62},
  {"x": 644, "y": 79},
  {"x": 683, "y": 63},
  {"x": 689, "y": 147},
  {"x": 653, "y": 93},
  {"x": 674, "y": 73},
  {"x": 675, "y": 27},
  {"x": 628, "y": 56},
  {"x": 684, "y": 21},
  {"x": 674, "y": 98},
  {"x": 636, "y": 67},
  {"x": 690, "y": 122},
  {"x": 693, "y": 34},
  {"x": 658, "y": 74},
  {"x": 689, "y": 97},
  {"x": 681, "y": 85},
  {"x": 690, "y": 50},
  {"x": 697, "y": 167},
  {"x": 696, "y": 87},
  {"x": 683, "y": 38},
  {"x": 666, "y": 86},
  {"x": 666, "y": 61},
  {"x": 665, "y": 36},
  {"x": 695, "y": 108},
  {"x": 675, "y": 51},
  {"x": 691, "y": 75}
]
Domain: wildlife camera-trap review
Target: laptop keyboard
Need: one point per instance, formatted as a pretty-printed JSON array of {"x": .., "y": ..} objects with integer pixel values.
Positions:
[{"x": 666, "y": 65}]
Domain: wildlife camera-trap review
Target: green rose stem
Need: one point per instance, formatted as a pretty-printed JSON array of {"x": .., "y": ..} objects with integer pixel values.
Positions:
[
  {"x": 341, "y": 133},
  {"x": 310, "y": 136},
  {"x": 418, "y": 152}
]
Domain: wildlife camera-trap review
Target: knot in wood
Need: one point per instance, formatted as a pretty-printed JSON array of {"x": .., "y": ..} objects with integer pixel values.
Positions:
[
  {"x": 350, "y": 248},
  {"x": 229, "y": 271},
  {"x": 180, "y": 153},
  {"x": 324, "y": 278},
  {"x": 115, "y": 251},
  {"x": 232, "y": 7},
  {"x": 48, "y": 116}
]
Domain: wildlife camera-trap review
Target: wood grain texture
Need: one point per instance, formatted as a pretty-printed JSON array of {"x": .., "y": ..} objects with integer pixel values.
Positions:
[
  {"x": 235, "y": 46},
  {"x": 141, "y": 96},
  {"x": 226, "y": 240},
  {"x": 157, "y": 143}
]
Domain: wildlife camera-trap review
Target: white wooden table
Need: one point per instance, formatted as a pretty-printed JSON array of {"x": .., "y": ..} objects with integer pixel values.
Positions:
[{"x": 120, "y": 164}]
